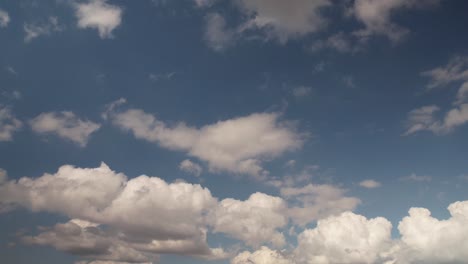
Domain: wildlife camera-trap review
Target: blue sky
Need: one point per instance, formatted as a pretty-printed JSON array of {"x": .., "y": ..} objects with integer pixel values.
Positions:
[{"x": 235, "y": 131}]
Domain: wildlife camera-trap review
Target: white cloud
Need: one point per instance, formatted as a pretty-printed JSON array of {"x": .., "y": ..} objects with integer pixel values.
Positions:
[
  {"x": 254, "y": 221},
  {"x": 376, "y": 16},
  {"x": 301, "y": 91},
  {"x": 284, "y": 20},
  {"x": 262, "y": 256},
  {"x": 8, "y": 124},
  {"x": 425, "y": 239},
  {"x": 347, "y": 238},
  {"x": 34, "y": 30},
  {"x": 370, "y": 184},
  {"x": 455, "y": 70},
  {"x": 4, "y": 18},
  {"x": 100, "y": 15},
  {"x": 66, "y": 125},
  {"x": 190, "y": 167},
  {"x": 237, "y": 145},
  {"x": 217, "y": 35},
  {"x": 339, "y": 42},
  {"x": 149, "y": 214},
  {"x": 423, "y": 119},
  {"x": 316, "y": 201}
]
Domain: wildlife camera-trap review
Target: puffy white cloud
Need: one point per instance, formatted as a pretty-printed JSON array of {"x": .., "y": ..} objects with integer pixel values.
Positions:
[
  {"x": 148, "y": 214},
  {"x": 254, "y": 221},
  {"x": 316, "y": 201},
  {"x": 347, "y": 238},
  {"x": 370, "y": 184},
  {"x": 262, "y": 256},
  {"x": 8, "y": 124},
  {"x": 190, "y": 167},
  {"x": 237, "y": 145},
  {"x": 217, "y": 35},
  {"x": 100, "y": 15},
  {"x": 376, "y": 16},
  {"x": 4, "y": 18},
  {"x": 66, "y": 125},
  {"x": 425, "y": 239},
  {"x": 283, "y": 20},
  {"x": 34, "y": 30}
]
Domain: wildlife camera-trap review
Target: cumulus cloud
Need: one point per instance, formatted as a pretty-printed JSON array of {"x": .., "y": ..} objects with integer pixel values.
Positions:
[
  {"x": 4, "y": 18},
  {"x": 149, "y": 214},
  {"x": 254, "y": 221},
  {"x": 34, "y": 30},
  {"x": 376, "y": 16},
  {"x": 370, "y": 184},
  {"x": 8, "y": 124},
  {"x": 190, "y": 167},
  {"x": 98, "y": 14},
  {"x": 237, "y": 145},
  {"x": 66, "y": 125},
  {"x": 347, "y": 238},
  {"x": 417, "y": 178},
  {"x": 262, "y": 256}
]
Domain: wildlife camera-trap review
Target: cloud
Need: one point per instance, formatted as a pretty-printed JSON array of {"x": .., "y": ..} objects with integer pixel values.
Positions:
[
  {"x": 262, "y": 256},
  {"x": 34, "y": 30},
  {"x": 237, "y": 145},
  {"x": 339, "y": 42},
  {"x": 190, "y": 167},
  {"x": 100, "y": 15},
  {"x": 316, "y": 201},
  {"x": 217, "y": 35},
  {"x": 8, "y": 124},
  {"x": 423, "y": 118},
  {"x": 347, "y": 238},
  {"x": 282, "y": 20},
  {"x": 4, "y": 18},
  {"x": 455, "y": 70},
  {"x": 3, "y": 175},
  {"x": 425, "y": 239},
  {"x": 376, "y": 16},
  {"x": 66, "y": 125},
  {"x": 150, "y": 215},
  {"x": 301, "y": 91},
  {"x": 370, "y": 184},
  {"x": 417, "y": 178},
  {"x": 254, "y": 221}
]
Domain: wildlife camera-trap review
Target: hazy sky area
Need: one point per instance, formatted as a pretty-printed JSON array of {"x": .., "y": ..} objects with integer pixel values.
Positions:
[{"x": 233, "y": 131}]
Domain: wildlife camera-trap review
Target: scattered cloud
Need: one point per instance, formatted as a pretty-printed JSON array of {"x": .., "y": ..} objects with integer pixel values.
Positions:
[
  {"x": 417, "y": 178},
  {"x": 339, "y": 42},
  {"x": 9, "y": 124},
  {"x": 190, "y": 167},
  {"x": 161, "y": 76},
  {"x": 237, "y": 145},
  {"x": 377, "y": 16},
  {"x": 455, "y": 70},
  {"x": 262, "y": 255},
  {"x": 370, "y": 184},
  {"x": 98, "y": 14},
  {"x": 282, "y": 20},
  {"x": 217, "y": 35},
  {"x": 35, "y": 30},
  {"x": 301, "y": 91},
  {"x": 4, "y": 18},
  {"x": 66, "y": 125}
]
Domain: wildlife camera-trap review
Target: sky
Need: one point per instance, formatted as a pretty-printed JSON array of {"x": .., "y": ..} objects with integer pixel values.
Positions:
[{"x": 233, "y": 131}]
